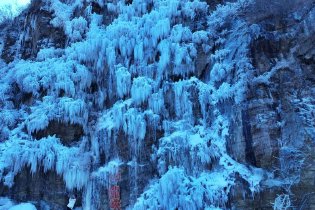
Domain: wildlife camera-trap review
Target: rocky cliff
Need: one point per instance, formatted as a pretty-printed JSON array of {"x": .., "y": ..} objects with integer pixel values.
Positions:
[{"x": 144, "y": 104}]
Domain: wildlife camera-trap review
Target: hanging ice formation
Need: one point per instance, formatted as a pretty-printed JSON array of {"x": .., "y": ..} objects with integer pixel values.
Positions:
[{"x": 132, "y": 79}]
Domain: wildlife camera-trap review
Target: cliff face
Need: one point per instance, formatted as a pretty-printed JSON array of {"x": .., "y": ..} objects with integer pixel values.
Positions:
[
  {"x": 159, "y": 104},
  {"x": 277, "y": 122}
]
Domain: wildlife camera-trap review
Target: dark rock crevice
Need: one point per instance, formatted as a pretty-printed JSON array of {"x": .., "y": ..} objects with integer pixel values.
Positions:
[
  {"x": 41, "y": 189},
  {"x": 68, "y": 133},
  {"x": 249, "y": 150}
]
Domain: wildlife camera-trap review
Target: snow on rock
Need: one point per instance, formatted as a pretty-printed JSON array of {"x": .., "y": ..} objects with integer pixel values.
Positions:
[
  {"x": 5, "y": 203},
  {"x": 23, "y": 206},
  {"x": 133, "y": 86}
]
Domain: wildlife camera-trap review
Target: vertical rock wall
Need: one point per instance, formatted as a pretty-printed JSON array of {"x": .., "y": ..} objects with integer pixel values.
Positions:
[{"x": 196, "y": 104}]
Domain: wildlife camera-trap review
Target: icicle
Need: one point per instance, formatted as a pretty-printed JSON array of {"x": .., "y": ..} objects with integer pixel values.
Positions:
[
  {"x": 141, "y": 89},
  {"x": 183, "y": 106},
  {"x": 156, "y": 102},
  {"x": 123, "y": 81}
]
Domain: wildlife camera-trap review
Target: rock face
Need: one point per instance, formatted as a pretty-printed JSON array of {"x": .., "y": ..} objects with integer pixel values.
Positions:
[
  {"x": 278, "y": 130},
  {"x": 39, "y": 32},
  {"x": 159, "y": 105},
  {"x": 43, "y": 189},
  {"x": 30, "y": 32}
]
